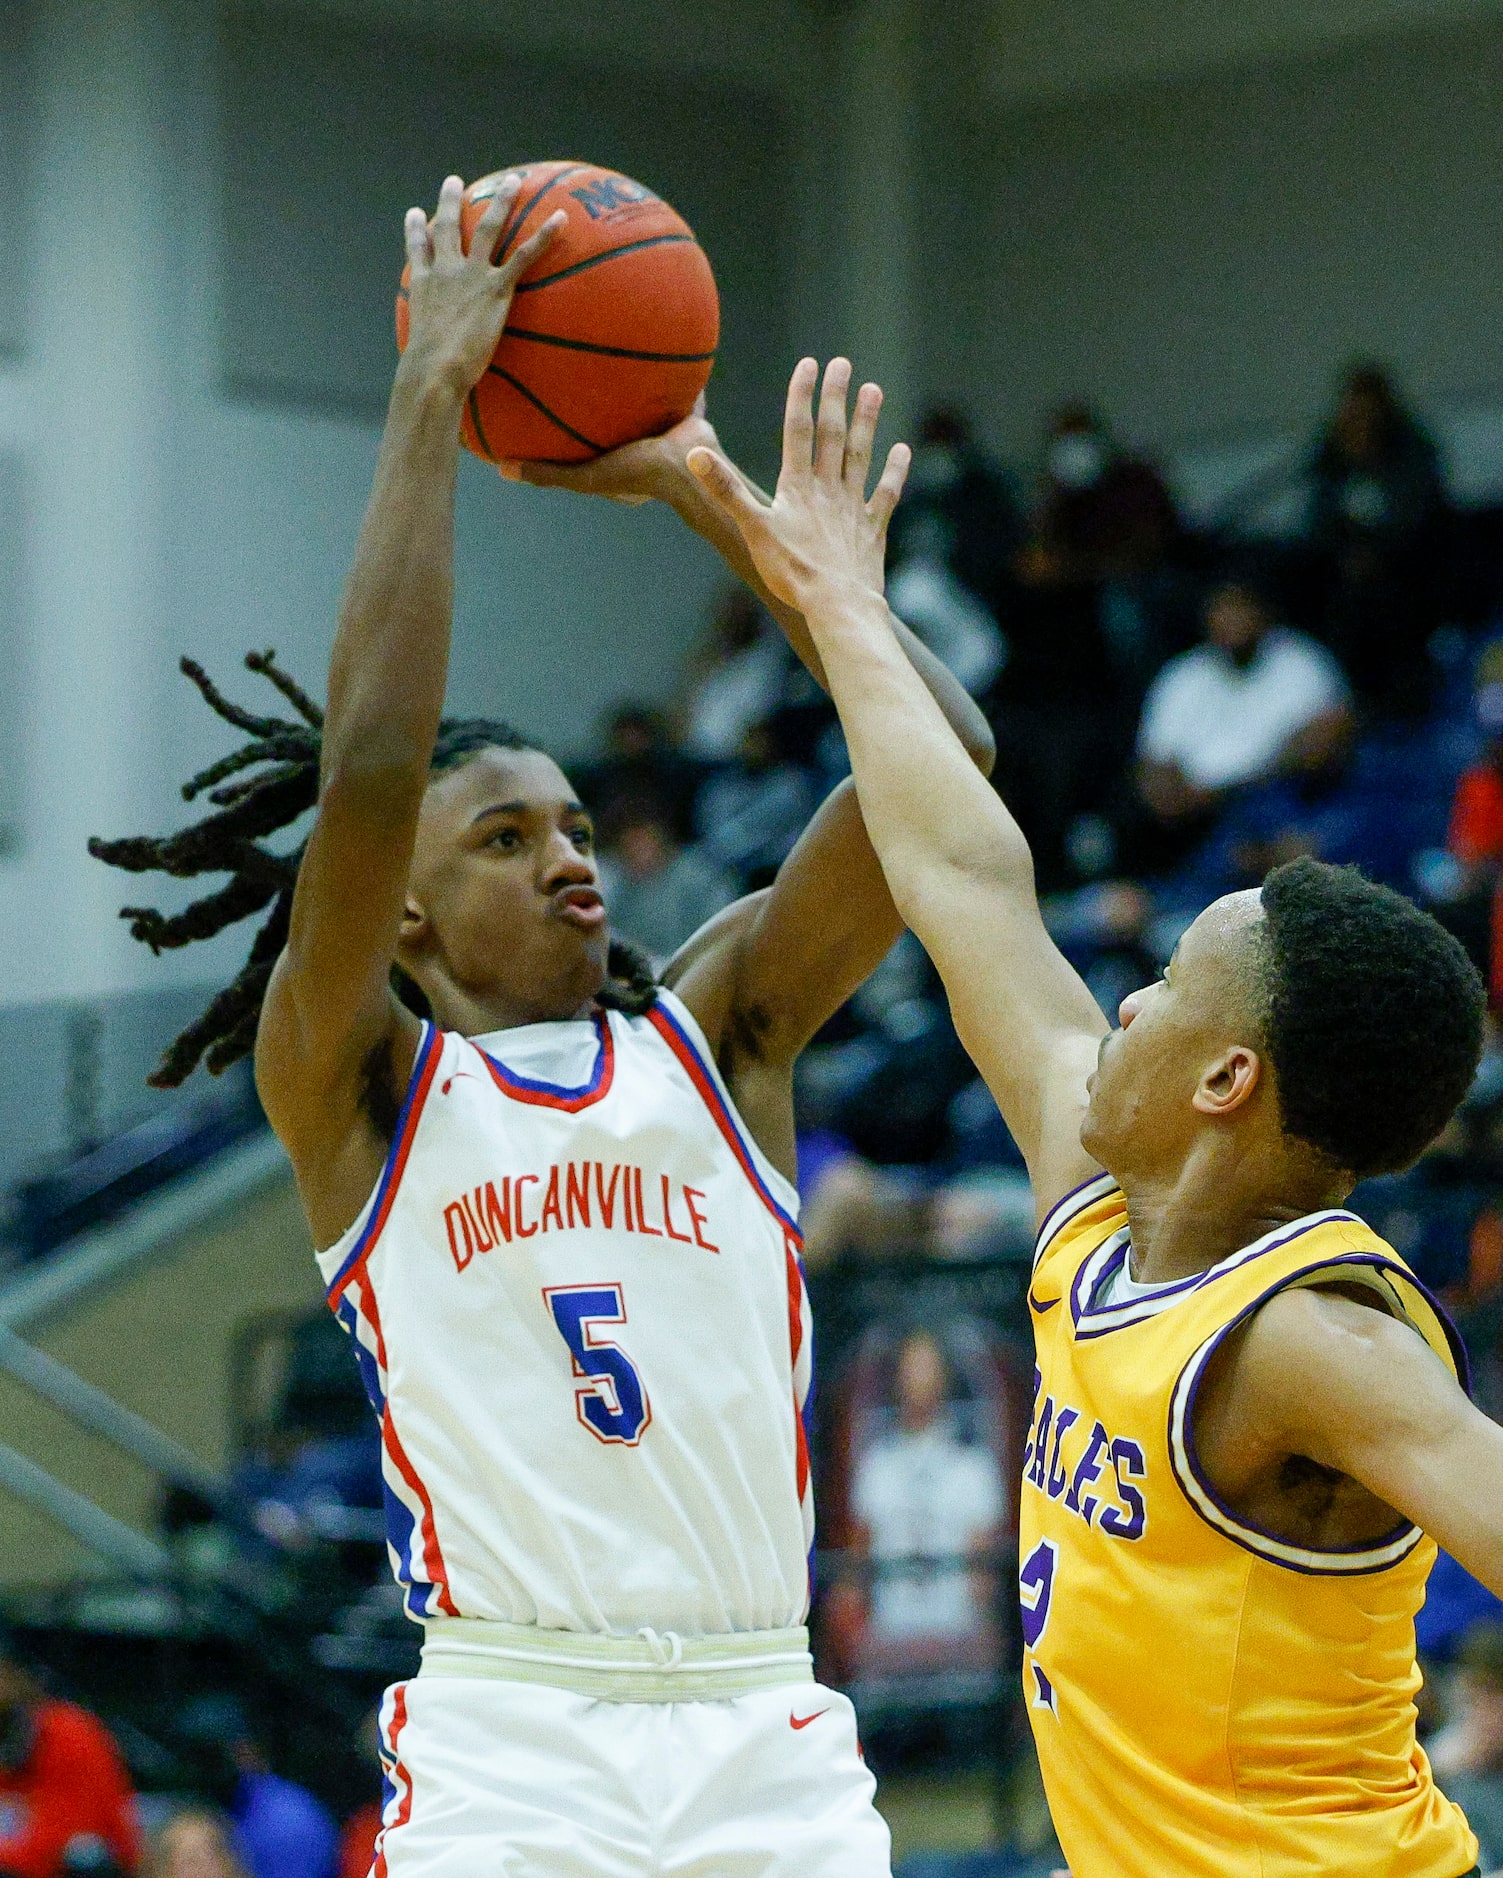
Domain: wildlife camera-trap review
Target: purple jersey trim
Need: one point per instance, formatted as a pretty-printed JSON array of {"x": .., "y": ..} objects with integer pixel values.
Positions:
[
  {"x": 1339, "y": 1561},
  {"x": 1092, "y": 1320},
  {"x": 1056, "y": 1219}
]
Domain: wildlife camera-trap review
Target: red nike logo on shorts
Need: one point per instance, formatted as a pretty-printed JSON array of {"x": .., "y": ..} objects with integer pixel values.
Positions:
[{"x": 803, "y": 1721}]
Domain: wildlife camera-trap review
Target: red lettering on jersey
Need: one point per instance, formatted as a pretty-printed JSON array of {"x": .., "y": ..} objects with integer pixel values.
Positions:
[
  {"x": 579, "y": 1193},
  {"x": 524, "y": 1232},
  {"x": 682, "y": 1237},
  {"x": 698, "y": 1219},
  {"x": 606, "y": 1194},
  {"x": 655, "y": 1232},
  {"x": 551, "y": 1208},
  {"x": 631, "y": 1224},
  {"x": 498, "y": 1211},
  {"x": 474, "y": 1212},
  {"x": 454, "y": 1212}
]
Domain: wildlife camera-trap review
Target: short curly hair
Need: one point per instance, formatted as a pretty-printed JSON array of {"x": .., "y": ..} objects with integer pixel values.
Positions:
[{"x": 1372, "y": 1016}]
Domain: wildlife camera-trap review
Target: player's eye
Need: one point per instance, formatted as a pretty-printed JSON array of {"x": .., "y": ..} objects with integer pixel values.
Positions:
[
  {"x": 508, "y": 840},
  {"x": 583, "y": 839}
]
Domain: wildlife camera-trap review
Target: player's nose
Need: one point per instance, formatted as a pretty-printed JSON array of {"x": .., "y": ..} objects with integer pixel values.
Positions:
[
  {"x": 563, "y": 864},
  {"x": 1128, "y": 1009}
]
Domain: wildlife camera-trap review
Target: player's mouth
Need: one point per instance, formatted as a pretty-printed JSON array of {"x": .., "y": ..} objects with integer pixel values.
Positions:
[{"x": 580, "y": 906}]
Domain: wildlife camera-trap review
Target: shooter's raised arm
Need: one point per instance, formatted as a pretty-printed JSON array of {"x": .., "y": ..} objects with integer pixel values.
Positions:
[
  {"x": 329, "y": 1006},
  {"x": 956, "y": 862}
]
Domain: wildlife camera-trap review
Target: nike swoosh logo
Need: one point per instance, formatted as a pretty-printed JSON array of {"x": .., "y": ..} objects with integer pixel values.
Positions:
[
  {"x": 803, "y": 1721},
  {"x": 1042, "y": 1304}
]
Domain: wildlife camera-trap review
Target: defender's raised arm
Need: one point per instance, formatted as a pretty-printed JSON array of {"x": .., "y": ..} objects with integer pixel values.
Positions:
[{"x": 958, "y": 865}]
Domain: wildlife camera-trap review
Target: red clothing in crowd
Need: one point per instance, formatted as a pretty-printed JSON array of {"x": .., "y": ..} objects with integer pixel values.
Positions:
[
  {"x": 73, "y": 1784},
  {"x": 1476, "y": 836},
  {"x": 1477, "y": 815},
  {"x": 357, "y": 1843}
]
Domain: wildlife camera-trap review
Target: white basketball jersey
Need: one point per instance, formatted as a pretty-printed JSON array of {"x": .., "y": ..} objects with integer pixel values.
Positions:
[{"x": 578, "y": 1306}]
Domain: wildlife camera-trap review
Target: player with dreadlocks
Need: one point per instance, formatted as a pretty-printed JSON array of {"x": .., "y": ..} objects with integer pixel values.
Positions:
[{"x": 556, "y": 1201}]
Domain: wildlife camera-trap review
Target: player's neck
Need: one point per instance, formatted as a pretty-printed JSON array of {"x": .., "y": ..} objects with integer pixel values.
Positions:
[
  {"x": 482, "y": 1016},
  {"x": 1224, "y": 1196}
]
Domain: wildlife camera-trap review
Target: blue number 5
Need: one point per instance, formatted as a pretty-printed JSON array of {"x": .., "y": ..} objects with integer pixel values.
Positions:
[{"x": 610, "y": 1400}]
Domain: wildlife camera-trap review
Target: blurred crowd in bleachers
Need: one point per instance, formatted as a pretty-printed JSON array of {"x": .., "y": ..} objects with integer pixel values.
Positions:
[{"x": 1177, "y": 708}]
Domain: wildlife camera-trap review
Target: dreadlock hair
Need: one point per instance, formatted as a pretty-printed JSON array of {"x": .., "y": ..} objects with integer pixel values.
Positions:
[{"x": 258, "y": 790}]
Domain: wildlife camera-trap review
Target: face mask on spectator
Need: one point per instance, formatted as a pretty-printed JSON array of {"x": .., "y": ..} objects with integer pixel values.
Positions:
[{"x": 1077, "y": 460}]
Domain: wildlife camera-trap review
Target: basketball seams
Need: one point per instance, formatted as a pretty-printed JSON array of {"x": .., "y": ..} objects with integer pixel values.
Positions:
[
  {"x": 537, "y": 403},
  {"x": 512, "y": 229},
  {"x": 609, "y": 352},
  {"x": 594, "y": 260},
  {"x": 473, "y": 404}
]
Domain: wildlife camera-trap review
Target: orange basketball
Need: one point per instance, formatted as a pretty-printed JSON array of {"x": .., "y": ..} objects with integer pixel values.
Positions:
[{"x": 612, "y": 331}]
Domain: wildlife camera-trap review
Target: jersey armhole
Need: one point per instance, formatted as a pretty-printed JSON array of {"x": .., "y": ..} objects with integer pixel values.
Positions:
[
  {"x": 356, "y": 1245},
  {"x": 669, "y": 1008},
  {"x": 1405, "y": 1298}
]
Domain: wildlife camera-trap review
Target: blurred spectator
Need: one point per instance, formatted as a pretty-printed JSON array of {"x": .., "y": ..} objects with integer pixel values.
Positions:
[
  {"x": 1105, "y": 514},
  {"x": 1467, "y": 1753},
  {"x": 639, "y": 760},
  {"x": 659, "y": 892},
  {"x": 65, "y": 1798},
  {"x": 1086, "y": 629},
  {"x": 198, "y": 1843},
  {"x": 1254, "y": 703},
  {"x": 283, "y": 1831},
  {"x": 885, "y": 1074},
  {"x": 737, "y": 677},
  {"x": 1475, "y": 837},
  {"x": 357, "y": 1841},
  {"x": 298, "y": 1490},
  {"x": 931, "y": 1505},
  {"x": 750, "y": 815},
  {"x": 961, "y": 505},
  {"x": 930, "y": 598},
  {"x": 1377, "y": 515}
]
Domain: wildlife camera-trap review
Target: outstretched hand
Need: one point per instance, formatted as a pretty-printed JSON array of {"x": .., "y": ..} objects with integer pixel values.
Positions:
[
  {"x": 457, "y": 303},
  {"x": 819, "y": 529},
  {"x": 653, "y": 469}
]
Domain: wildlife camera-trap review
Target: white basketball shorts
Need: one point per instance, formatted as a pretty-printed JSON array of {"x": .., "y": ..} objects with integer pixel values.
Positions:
[{"x": 501, "y": 1779}]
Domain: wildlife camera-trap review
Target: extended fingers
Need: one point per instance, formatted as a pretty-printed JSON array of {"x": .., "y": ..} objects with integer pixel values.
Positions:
[
  {"x": 493, "y": 218},
  {"x": 829, "y": 435},
  {"x": 525, "y": 253},
  {"x": 446, "y": 242},
  {"x": 858, "y": 445},
  {"x": 415, "y": 235},
  {"x": 798, "y": 420},
  {"x": 894, "y": 474}
]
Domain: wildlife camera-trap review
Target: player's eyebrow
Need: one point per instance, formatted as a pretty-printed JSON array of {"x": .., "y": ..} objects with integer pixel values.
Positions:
[
  {"x": 523, "y": 808},
  {"x": 499, "y": 808}
]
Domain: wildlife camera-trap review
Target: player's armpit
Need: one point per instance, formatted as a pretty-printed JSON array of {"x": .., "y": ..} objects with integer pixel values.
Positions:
[{"x": 1352, "y": 1389}]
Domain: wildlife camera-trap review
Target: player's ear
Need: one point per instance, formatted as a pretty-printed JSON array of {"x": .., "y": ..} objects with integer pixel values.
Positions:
[{"x": 1229, "y": 1081}]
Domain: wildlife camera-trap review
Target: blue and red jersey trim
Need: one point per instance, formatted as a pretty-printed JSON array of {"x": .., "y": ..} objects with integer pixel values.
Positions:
[
  {"x": 678, "y": 1041},
  {"x": 425, "y": 1065},
  {"x": 556, "y": 1095}
]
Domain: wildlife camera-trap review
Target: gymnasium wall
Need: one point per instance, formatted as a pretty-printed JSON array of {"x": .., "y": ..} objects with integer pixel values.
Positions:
[
  {"x": 193, "y": 331},
  {"x": 193, "y": 355},
  {"x": 1203, "y": 254}
]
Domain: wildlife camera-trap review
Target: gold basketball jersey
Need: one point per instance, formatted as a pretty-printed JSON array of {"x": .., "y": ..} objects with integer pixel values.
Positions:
[{"x": 1206, "y": 1698}]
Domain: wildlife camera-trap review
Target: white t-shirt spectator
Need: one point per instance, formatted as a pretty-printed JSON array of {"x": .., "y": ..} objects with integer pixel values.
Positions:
[
  {"x": 928, "y": 1499},
  {"x": 1224, "y": 724}
]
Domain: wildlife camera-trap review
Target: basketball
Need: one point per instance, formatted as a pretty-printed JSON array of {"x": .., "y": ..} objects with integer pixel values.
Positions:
[{"x": 613, "y": 330}]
